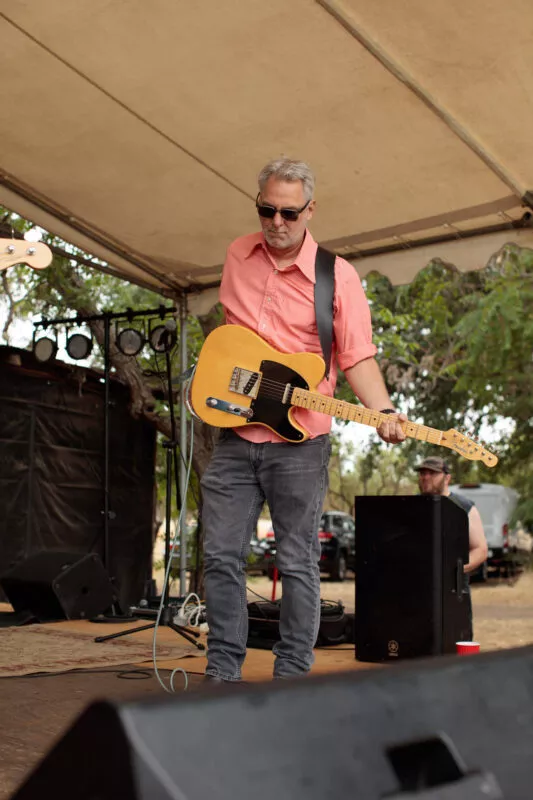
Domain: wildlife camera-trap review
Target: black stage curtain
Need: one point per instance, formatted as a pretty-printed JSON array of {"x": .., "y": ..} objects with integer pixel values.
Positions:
[{"x": 52, "y": 469}]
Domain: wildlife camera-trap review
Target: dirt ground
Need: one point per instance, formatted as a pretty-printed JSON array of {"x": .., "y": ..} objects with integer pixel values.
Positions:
[{"x": 503, "y": 609}]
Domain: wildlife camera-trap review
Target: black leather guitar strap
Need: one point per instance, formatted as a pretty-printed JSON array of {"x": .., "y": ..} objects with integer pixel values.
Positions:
[{"x": 324, "y": 296}]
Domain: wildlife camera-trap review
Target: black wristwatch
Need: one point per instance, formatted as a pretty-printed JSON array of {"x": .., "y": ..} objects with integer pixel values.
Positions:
[{"x": 388, "y": 411}]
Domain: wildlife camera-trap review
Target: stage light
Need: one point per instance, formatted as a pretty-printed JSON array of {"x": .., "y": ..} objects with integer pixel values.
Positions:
[
  {"x": 163, "y": 337},
  {"x": 130, "y": 341},
  {"x": 79, "y": 346},
  {"x": 44, "y": 349}
]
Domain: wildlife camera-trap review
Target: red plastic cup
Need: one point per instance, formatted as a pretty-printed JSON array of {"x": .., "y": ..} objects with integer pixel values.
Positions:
[{"x": 467, "y": 648}]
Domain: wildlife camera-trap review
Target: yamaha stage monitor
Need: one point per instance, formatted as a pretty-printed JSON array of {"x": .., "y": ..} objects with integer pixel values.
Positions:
[
  {"x": 410, "y": 555},
  {"x": 454, "y": 728},
  {"x": 57, "y": 585}
]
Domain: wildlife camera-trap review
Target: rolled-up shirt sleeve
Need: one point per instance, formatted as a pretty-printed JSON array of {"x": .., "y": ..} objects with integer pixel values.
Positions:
[{"x": 352, "y": 319}]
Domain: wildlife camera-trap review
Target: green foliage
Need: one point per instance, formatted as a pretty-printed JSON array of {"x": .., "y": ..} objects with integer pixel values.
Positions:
[
  {"x": 69, "y": 287},
  {"x": 455, "y": 348},
  {"x": 377, "y": 470},
  {"x": 466, "y": 357}
]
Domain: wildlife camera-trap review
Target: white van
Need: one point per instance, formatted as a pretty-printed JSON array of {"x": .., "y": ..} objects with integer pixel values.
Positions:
[{"x": 496, "y": 505}]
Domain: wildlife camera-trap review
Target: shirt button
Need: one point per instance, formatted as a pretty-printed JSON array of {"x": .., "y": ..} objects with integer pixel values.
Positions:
[
  {"x": 269, "y": 299},
  {"x": 263, "y": 326},
  {"x": 275, "y": 272}
]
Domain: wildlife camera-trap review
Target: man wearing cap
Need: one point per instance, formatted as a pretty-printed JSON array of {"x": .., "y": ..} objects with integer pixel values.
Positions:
[{"x": 434, "y": 478}]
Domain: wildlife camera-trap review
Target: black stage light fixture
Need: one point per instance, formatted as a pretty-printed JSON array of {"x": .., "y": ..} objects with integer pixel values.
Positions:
[
  {"x": 163, "y": 337},
  {"x": 45, "y": 348},
  {"x": 130, "y": 341},
  {"x": 79, "y": 346}
]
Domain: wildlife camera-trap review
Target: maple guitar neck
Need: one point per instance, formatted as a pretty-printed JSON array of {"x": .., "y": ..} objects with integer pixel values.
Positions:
[
  {"x": 366, "y": 416},
  {"x": 241, "y": 380}
]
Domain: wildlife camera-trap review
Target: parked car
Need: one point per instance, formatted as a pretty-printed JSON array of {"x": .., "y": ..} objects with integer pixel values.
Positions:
[
  {"x": 496, "y": 504},
  {"x": 336, "y": 534},
  {"x": 260, "y": 557}
]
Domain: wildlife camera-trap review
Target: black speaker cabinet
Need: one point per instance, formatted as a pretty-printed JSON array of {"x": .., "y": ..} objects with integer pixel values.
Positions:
[
  {"x": 450, "y": 728},
  {"x": 57, "y": 585},
  {"x": 409, "y": 587}
]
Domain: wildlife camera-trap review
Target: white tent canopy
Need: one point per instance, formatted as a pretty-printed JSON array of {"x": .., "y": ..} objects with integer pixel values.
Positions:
[{"x": 136, "y": 130}]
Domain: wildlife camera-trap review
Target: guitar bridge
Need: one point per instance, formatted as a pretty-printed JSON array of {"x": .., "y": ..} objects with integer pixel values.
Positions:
[
  {"x": 229, "y": 408},
  {"x": 244, "y": 381}
]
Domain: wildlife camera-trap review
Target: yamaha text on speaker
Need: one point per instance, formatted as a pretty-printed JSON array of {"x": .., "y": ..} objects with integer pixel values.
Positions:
[{"x": 409, "y": 565}]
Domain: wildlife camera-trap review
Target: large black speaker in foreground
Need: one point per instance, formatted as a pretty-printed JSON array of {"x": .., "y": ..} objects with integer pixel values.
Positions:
[
  {"x": 410, "y": 555},
  {"x": 449, "y": 728}
]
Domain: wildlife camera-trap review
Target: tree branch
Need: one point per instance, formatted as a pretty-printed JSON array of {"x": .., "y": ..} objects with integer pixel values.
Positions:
[{"x": 10, "y": 307}]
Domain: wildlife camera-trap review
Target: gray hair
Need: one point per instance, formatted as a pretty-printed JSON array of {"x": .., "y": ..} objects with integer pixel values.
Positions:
[{"x": 285, "y": 169}]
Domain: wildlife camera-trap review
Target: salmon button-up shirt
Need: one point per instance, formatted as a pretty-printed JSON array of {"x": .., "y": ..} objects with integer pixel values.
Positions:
[{"x": 278, "y": 305}]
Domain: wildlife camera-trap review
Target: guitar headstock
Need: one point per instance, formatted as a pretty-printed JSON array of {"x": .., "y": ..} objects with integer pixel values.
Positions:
[
  {"x": 18, "y": 251},
  {"x": 467, "y": 447}
]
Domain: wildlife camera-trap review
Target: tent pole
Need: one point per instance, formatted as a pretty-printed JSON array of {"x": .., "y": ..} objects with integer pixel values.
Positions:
[
  {"x": 107, "y": 374},
  {"x": 183, "y": 446}
]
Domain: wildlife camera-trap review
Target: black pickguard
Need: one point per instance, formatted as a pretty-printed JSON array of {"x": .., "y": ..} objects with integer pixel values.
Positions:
[{"x": 267, "y": 406}]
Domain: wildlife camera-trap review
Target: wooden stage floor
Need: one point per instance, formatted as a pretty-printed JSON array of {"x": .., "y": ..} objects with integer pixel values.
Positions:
[{"x": 36, "y": 710}]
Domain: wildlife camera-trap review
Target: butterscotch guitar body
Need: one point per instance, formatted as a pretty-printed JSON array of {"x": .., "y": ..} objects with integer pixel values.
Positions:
[
  {"x": 242, "y": 380},
  {"x": 238, "y": 370}
]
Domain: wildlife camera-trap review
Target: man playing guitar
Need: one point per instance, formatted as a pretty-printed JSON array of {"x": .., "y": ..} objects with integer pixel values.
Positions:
[{"x": 268, "y": 287}]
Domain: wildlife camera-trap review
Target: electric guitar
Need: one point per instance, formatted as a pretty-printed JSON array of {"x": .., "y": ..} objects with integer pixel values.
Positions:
[
  {"x": 241, "y": 380},
  {"x": 18, "y": 251}
]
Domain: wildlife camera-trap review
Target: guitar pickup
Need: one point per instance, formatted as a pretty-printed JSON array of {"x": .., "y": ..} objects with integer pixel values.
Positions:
[
  {"x": 244, "y": 381},
  {"x": 229, "y": 408}
]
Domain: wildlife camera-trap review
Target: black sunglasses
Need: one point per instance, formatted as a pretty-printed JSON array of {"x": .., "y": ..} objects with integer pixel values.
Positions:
[{"x": 269, "y": 212}]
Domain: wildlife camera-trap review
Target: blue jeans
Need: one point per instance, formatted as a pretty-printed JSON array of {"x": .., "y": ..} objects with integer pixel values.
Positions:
[{"x": 293, "y": 479}]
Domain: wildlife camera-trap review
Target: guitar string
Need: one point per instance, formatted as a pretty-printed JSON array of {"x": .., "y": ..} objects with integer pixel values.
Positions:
[
  {"x": 276, "y": 390},
  {"x": 374, "y": 417}
]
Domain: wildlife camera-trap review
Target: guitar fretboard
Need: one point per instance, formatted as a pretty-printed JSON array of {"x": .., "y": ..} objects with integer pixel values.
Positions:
[{"x": 365, "y": 416}]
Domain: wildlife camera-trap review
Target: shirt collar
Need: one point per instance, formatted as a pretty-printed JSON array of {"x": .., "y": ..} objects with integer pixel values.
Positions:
[{"x": 305, "y": 260}]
